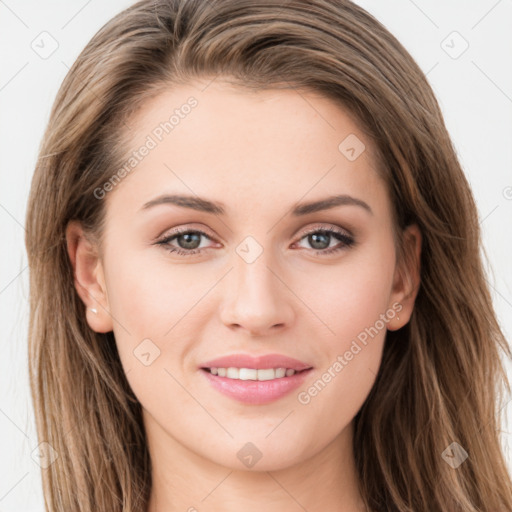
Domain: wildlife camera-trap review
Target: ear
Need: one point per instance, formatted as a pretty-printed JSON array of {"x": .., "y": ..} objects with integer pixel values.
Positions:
[
  {"x": 89, "y": 277},
  {"x": 407, "y": 277}
]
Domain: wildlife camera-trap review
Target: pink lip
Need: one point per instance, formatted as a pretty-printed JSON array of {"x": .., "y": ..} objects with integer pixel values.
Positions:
[
  {"x": 258, "y": 362},
  {"x": 256, "y": 392},
  {"x": 252, "y": 391}
]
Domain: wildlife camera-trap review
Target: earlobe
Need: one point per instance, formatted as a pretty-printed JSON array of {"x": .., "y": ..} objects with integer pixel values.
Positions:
[
  {"x": 407, "y": 277},
  {"x": 89, "y": 279}
]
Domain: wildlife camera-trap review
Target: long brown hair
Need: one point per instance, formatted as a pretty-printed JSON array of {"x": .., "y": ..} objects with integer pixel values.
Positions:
[{"x": 441, "y": 377}]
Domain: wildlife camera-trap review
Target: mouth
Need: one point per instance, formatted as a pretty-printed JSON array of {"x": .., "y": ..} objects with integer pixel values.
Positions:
[
  {"x": 254, "y": 374},
  {"x": 253, "y": 386}
]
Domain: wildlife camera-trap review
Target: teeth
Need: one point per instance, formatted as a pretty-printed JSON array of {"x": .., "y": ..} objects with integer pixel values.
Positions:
[
  {"x": 252, "y": 373},
  {"x": 281, "y": 372},
  {"x": 232, "y": 373},
  {"x": 244, "y": 374}
]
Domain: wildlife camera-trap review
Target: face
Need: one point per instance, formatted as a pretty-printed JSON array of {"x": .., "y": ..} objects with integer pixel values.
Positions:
[{"x": 241, "y": 266}]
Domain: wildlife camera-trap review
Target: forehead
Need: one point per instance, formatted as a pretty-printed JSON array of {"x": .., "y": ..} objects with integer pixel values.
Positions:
[{"x": 239, "y": 146}]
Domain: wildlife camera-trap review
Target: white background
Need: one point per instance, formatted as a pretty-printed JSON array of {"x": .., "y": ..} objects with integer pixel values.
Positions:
[{"x": 474, "y": 90}]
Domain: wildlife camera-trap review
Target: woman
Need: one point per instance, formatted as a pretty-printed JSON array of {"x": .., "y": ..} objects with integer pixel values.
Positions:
[{"x": 255, "y": 273}]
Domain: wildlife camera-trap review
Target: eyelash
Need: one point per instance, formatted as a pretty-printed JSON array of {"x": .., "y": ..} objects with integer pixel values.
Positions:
[{"x": 347, "y": 241}]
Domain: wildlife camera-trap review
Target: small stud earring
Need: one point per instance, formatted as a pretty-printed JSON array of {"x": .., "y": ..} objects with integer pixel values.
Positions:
[
  {"x": 94, "y": 310},
  {"x": 398, "y": 318}
]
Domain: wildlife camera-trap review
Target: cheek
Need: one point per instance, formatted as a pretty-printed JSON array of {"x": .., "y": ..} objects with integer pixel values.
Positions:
[
  {"x": 154, "y": 304},
  {"x": 355, "y": 307},
  {"x": 351, "y": 296},
  {"x": 149, "y": 294}
]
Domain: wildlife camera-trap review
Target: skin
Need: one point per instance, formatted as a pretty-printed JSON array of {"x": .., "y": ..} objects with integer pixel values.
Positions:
[{"x": 260, "y": 154}]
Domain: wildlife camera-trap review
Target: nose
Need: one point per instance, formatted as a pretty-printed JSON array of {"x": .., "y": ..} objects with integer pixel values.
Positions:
[{"x": 257, "y": 299}]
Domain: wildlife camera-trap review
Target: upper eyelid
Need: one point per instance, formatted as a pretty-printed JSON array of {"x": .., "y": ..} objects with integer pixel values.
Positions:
[
  {"x": 180, "y": 231},
  {"x": 329, "y": 227}
]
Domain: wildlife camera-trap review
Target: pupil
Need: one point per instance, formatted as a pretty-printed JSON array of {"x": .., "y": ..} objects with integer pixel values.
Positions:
[{"x": 319, "y": 238}]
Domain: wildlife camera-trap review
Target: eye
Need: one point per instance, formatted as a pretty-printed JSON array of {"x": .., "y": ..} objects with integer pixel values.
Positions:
[
  {"x": 320, "y": 239},
  {"x": 189, "y": 242}
]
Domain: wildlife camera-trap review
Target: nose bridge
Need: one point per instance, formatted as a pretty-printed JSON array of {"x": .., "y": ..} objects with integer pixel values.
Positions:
[{"x": 255, "y": 298}]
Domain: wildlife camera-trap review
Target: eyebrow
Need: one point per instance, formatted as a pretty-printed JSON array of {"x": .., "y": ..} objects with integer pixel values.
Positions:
[{"x": 218, "y": 208}]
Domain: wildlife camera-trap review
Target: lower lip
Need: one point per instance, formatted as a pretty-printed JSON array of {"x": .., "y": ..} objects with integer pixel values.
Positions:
[{"x": 256, "y": 392}]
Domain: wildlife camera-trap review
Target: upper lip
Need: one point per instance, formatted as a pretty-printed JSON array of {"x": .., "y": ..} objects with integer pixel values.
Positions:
[{"x": 256, "y": 362}]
